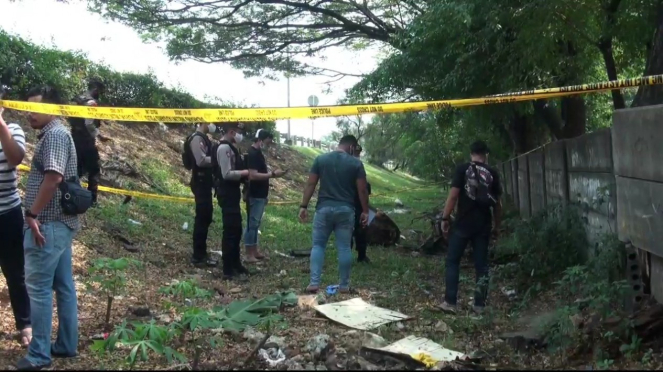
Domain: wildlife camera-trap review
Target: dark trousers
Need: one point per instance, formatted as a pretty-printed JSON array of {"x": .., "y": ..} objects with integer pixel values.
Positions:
[
  {"x": 231, "y": 215},
  {"x": 457, "y": 243},
  {"x": 359, "y": 237},
  {"x": 88, "y": 164},
  {"x": 202, "y": 194},
  {"x": 12, "y": 263}
]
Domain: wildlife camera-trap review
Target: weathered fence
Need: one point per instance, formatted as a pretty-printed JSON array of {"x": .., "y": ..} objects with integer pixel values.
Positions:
[
  {"x": 304, "y": 142},
  {"x": 613, "y": 172}
]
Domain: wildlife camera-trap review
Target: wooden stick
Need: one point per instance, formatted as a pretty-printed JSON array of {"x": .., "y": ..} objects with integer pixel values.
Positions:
[{"x": 255, "y": 351}]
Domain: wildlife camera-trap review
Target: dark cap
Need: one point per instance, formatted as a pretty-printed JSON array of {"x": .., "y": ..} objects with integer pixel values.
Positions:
[
  {"x": 263, "y": 134},
  {"x": 479, "y": 148}
]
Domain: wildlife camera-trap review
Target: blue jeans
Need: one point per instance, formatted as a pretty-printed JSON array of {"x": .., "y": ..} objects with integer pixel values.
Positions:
[
  {"x": 256, "y": 210},
  {"x": 341, "y": 221},
  {"x": 457, "y": 243},
  {"x": 49, "y": 268}
]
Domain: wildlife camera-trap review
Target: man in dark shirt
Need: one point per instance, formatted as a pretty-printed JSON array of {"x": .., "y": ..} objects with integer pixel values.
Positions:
[
  {"x": 341, "y": 176},
  {"x": 475, "y": 188},
  {"x": 258, "y": 190},
  {"x": 360, "y": 231}
]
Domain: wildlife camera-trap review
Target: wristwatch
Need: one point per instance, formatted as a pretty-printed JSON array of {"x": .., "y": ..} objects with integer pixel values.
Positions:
[
  {"x": 446, "y": 219},
  {"x": 30, "y": 214},
  {"x": 303, "y": 206}
]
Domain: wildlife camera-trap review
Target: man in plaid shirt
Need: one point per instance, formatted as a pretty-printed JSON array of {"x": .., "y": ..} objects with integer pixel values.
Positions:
[{"x": 48, "y": 238}]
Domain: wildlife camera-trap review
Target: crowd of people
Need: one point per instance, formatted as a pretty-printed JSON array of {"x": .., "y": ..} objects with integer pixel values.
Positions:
[{"x": 37, "y": 232}]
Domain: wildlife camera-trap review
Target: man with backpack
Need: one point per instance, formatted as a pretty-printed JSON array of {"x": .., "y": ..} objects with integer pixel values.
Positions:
[
  {"x": 84, "y": 132},
  {"x": 475, "y": 189},
  {"x": 197, "y": 157},
  {"x": 229, "y": 173}
]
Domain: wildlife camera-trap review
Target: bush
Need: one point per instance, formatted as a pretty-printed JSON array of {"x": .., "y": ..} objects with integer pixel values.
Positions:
[
  {"x": 24, "y": 65},
  {"x": 545, "y": 245}
]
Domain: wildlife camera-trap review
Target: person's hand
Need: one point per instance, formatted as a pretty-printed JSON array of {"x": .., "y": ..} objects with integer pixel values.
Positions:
[
  {"x": 244, "y": 173},
  {"x": 445, "y": 229},
  {"x": 34, "y": 226},
  {"x": 363, "y": 218},
  {"x": 303, "y": 215},
  {"x": 279, "y": 173}
]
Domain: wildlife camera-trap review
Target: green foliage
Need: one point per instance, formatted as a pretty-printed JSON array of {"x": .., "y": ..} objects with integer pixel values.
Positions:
[
  {"x": 545, "y": 245},
  {"x": 24, "y": 65}
]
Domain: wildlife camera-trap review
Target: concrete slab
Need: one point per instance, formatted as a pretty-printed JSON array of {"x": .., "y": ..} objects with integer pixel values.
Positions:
[
  {"x": 557, "y": 187},
  {"x": 536, "y": 181},
  {"x": 523, "y": 187},
  {"x": 514, "y": 182},
  {"x": 637, "y": 138},
  {"x": 590, "y": 153},
  {"x": 594, "y": 190},
  {"x": 640, "y": 214}
]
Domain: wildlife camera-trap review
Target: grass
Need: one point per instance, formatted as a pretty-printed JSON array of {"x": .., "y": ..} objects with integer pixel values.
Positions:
[{"x": 397, "y": 279}]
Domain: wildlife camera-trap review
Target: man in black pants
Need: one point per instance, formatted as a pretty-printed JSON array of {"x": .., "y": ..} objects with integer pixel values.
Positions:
[
  {"x": 199, "y": 160},
  {"x": 230, "y": 173},
  {"x": 12, "y": 261},
  {"x": 360, "y": 231},
  {"x": 84, "y": 133}
]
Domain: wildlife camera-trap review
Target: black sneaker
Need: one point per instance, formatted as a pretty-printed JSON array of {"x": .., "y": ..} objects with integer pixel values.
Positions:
[
  {"x": 241, "y": 270},
  {"x": 365, "y": 260},
  {"x": 209, "y": 262},
  {"x": 25, "y": 365}
]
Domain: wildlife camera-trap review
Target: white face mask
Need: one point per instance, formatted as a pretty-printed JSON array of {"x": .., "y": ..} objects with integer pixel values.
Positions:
[
  {"x": 212, "y": 128},
  {"x": 239, "y": 138}
]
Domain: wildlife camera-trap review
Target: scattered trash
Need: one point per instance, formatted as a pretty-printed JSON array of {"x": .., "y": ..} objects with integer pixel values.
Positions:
[
  {"x": 510, "y": 293},
  {"x": 307, "y": 301},
  {"x": 272, "y": 356},
  {"x": 358, "y": 314},
  {"x": 282, "y": 254},
  {"x": 420, "y": 349},
  {"x": 332, "y": 289},
  {"x": 99, "y": 336},
  {"x": 134, "y": 222},
  {"x": 399, "y": 203},
  {"x": 282, "y": 273},
  {"x": 399, "y": 211},
  {"x": 217, "y": 252},
  {"x": 236, "y": 290},
  {"x": 301, "y": 253},
  {"x": 188, "y": 302},
  {"x": 185, "y": 226}
]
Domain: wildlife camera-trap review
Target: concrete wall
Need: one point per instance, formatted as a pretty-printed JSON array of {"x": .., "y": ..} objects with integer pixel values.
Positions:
[
  {"x": 615, "y": 173},
  {"x": 524, "y": 205},
  {"x": 537, "y": 181},
  {"x": 591, "y": 180},
  {"x": 637, "y": 141}
]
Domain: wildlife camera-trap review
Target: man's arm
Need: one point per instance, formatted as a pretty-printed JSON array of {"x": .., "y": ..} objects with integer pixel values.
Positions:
[
  {"x": 454, "y": 193},
  {"x": 202, "y": 160},
  {"x": 313, "y": 177},
  {"x": 362, "y": 189},
  {"x": 223, "y": 156},
  {"x": 13, "y": 143},
  {"x": 254, "y": 175},
  {"x": 56, "y": 156}
]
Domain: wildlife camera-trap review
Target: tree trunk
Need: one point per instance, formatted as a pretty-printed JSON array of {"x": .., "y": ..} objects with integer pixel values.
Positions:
[
  {"x": 548, "y": 113},
  {"x": 653, "y": 94},
  {"x": 521, "y": 133},
  {"x": 605, "y": 46},
  {"x": 574, "y": 114}
]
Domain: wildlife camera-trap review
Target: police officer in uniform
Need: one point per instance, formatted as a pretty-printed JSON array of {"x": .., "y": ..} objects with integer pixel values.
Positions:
[
  {"x": 231, "y": 173},
  {"x": 200, "y": 148},
  {"x": 84, "y": 132}
]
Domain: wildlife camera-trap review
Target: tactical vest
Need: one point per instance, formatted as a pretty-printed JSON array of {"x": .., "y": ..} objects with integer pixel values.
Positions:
[
  {"x": 227, "y": 187},
  {"x": 79, "y": 133},
  {"x": 200, "y": 174}
]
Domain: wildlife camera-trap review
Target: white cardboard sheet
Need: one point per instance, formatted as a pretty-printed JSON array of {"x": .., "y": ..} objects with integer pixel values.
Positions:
[
  {"x": 413, "y": 345},
  {"x": 358, "y": 314}
]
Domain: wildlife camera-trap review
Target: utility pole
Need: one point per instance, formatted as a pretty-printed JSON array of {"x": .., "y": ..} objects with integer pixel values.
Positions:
[{"x": 313, "y": 101}]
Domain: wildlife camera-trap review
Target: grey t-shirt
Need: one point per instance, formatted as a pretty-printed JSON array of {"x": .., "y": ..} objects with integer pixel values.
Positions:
[{"x": 338, "y": 173}]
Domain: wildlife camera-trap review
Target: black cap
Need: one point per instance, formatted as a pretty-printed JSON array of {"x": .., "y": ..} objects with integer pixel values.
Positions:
[
  {"x": 233, "y": 125},
  {"x": 263, "y": 134},
  {"x": 479, "y": 148}
]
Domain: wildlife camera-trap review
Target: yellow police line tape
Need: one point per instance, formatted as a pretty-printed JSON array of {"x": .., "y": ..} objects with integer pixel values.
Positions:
[
  {"x": 269, "y": 114},
  {"x": 185, "y": 199}
]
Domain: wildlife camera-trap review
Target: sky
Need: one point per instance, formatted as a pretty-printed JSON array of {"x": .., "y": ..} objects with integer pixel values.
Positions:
[{"x": 121, "y": 48}]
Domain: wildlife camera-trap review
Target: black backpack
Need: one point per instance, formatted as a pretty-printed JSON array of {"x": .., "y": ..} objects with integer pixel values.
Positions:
[
  {"x": 187, "y": 155},
  {"x": 478, "y": 185}
]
